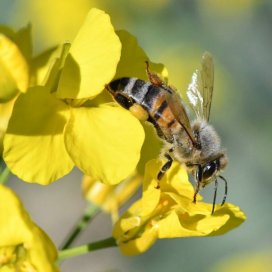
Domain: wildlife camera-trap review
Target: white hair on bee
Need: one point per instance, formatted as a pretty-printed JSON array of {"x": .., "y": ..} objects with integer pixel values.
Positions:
[
  {"x": 130, "y": 85},
  {"x": 208, "y": 137}
]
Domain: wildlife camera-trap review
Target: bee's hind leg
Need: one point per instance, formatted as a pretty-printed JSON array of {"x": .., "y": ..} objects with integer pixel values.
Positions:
[
  {"x": 157, "y": 81},
  {"x": 164, "y": 168},
  {"x": 153, "y": 77}
]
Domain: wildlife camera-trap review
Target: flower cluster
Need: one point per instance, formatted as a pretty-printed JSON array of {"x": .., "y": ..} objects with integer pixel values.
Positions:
[
  {"x": 169, "y": 212},
  {"x": 56, "y": 114}
]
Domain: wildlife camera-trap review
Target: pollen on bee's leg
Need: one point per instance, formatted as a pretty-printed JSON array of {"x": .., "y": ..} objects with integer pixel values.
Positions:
[{"x": 139, "y": 112}]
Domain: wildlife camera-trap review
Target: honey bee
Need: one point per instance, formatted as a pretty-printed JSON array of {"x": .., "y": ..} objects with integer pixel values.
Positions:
[{"x": 194, "y": 143}]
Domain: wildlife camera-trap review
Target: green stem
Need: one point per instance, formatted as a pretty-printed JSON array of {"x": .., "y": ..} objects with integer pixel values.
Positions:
[
  {"x": 83, "y": 222},
  {"x": 76, "y": 251},
  {"x": 4, "y": 176}
]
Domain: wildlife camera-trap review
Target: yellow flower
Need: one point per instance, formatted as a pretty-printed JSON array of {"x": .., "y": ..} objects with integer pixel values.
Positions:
[
  {"x": 14, "y": 75},
  {"x": 169, "y": 212},
  {"x": 18, "y": 70},
  {"x": 110, "y": 197},
  {"x": 23, "y": 245},
  {"x": 54, "y": 21},
  {"x": 14, "y": 68},
  {"x": 71, "y": 121}
]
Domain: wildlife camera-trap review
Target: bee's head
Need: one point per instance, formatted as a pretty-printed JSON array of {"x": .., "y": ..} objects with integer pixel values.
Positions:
[{"x": 208, "y": 172}]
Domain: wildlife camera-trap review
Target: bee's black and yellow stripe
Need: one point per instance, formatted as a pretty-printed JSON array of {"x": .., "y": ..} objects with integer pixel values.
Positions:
[{"x": 128, "y": 91}]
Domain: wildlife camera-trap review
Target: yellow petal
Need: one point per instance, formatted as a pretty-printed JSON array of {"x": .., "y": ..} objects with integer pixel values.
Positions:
[
  {"x": 34, "y": 147},
  {"x": 198, "y": 219},
  {"x": 133, "y": 233},
  {"x": 133, "y": 57},
  {"x": 174, "y": 180},
  {"x": 151, "y": 148},
  {"x": 43, "y": 254},
  {"x": 129, "y": 221},
  {"x": 23, "y": 38},
  {"x": 16, "y": 221},
  {"x": 93, "y": 58},
  {"x": 104, "y": 142},
  {"x": 27, "y": 245},
  {"x": 141, "y": 243},
  {"x": 171, "y": 226},
  {"x": 235, "y": 217},
  {"x": 151, "y": 195},
  {"x": 5, "y": 113},
  {"x": 13, "y": 69},
  {"x": 54, "y": 21},
  {"x": 110, "y": 197},
  {"x": 51, "y": 79},
  {"x": 41, "y": 64}
]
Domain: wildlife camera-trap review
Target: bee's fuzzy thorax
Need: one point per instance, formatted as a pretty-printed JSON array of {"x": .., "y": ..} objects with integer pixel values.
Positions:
[{"x": 208, "y": 138}]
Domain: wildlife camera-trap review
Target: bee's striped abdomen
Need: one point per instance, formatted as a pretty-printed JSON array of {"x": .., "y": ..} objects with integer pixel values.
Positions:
[
  {"x": 128, "y": 91},
  {"x": 162, "y": 114},
  {"x": 136, "y": 90}
]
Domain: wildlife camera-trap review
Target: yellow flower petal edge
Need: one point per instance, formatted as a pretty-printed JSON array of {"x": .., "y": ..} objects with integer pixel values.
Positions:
[
  {"x": 41, "y": 64},
  {"x": 23, "y": 245},
  {"x": 93, "y": 58},
  {"x": 51, "y": 77},
  {"x": 5, "y": 113},
  {"x": 170, "y": 212},
  {"x": 13, "y": 69},
  {"x": 133, "y": 58},
  {"x": 104, "y": 142},
  {"x": 140, "y": 244},
  {"x": 34, "y": 147}
]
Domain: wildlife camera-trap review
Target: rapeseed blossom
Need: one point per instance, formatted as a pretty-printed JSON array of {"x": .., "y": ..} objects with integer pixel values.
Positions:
[
  {"x": 70, "y": 120},
  {"x": 23, "y": 245},
  {"x": 169, "y": 212}
]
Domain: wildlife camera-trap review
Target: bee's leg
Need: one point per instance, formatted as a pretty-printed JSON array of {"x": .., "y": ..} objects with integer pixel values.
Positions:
[
  {"x": 153, "y": 77},
  {"x": 214, "y": 196},
  {"x": 196, "y": 191},
  {"x": 199, "y": 179},
  {"x": 164, "y": 168},
  {"x": 156, "y": 80}
]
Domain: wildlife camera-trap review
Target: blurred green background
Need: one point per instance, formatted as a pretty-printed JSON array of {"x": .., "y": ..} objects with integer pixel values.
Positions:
[{"x": 176, "y": 33}]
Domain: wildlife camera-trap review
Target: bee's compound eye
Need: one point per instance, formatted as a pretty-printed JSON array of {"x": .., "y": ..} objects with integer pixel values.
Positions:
[{"x": 209, "y": 170}]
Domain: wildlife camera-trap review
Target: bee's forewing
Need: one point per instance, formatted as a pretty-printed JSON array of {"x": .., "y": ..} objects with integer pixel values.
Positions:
[
  {"x": 194, "y": 95},
  {"x": 207, "y": 75},
  {"x": 200, "y": 90},
  {"x": 178, "y": 110}
]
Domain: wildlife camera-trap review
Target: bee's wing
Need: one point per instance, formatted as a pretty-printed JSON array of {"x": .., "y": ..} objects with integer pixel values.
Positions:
[
  {"x": 200, "y": 89},
  {"x": 177, "y": 108}
]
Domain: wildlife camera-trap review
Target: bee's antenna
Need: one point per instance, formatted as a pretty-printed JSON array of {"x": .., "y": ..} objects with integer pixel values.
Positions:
[
  {"x": 226, "y": 190},
  {"x": 214, "y": 196}
]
